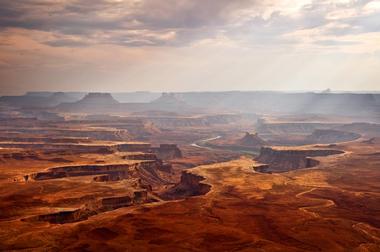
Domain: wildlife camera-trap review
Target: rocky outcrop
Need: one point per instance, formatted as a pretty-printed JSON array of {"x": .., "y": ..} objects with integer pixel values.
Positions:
[
  {"x": 116, "y": 202},
  {"x": 20, "y": 156},
  {"x": 135, "y": 147},
  {"x": 108, "y": 172},
  {"x": 140, "y": 156},
  {"x": 251, "y": 140},
  {"x": 62, "y": 217},
  {"x": 282, "y": 160},
  {"x": 168, "y": 151},
  {"x": 102, "y": 205},
  {"x": 189, "y": 185},
  {"x": 164, "y": 151},
  {"x": 140, "y": 197},
  {"x": 111, "y": 177}
]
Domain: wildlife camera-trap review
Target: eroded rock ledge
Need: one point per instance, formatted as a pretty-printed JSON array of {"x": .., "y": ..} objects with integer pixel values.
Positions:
[
  {"x": 99, "y": 206},
  {"x": 163, "y": 151},
  {"x": 189, "y": 185},
  {"x": 282, "y": 160},
  {"x": 121, "y": 170}
]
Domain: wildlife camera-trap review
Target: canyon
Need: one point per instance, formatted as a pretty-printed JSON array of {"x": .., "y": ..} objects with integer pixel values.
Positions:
[{"x": 105, "y": 172}]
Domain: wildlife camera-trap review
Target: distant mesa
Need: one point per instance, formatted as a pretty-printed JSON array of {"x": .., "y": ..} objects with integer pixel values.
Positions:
[
  {"x": 105, "y": 103},
  {"x": 98, "y": 99},
  {"x": 30, "y": 100},
  {"x": 361, "y": 105},
  {"x": 59, "y": 97},
  {"x": 168, "y": 98},
  {"x": 170, "y": 102},
  {"x": 93, "y": 103}
]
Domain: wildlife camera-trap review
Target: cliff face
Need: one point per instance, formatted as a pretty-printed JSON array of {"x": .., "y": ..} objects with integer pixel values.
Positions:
[
  {"x": 141, "y": 156},
  {"x": 146, "y": 170},
  {"x": 278, "y": 160},
  {"x": 116, "y": 202},
  {"x": 68, "y": 216},
  {"x": 96, "y": 207},
  {"x": 168, "y": 151},
  {"x": 189, "y": 185}
]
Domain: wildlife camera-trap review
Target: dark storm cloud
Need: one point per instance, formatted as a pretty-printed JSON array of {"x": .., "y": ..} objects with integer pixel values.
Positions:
[
  {"x": 87, "y": 17},
  {"x": 173, "y": 22}
]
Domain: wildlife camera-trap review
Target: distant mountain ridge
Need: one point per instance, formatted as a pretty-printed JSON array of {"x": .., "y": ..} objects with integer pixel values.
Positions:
[{"x": 346, "y": 104}]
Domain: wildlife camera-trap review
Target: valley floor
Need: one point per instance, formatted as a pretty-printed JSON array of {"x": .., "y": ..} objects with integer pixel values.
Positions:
[{"x": 332, "y": 207}]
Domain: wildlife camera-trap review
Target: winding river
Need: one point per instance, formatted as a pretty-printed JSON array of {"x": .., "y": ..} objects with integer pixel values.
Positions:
[{"x": 201, "y": 143}]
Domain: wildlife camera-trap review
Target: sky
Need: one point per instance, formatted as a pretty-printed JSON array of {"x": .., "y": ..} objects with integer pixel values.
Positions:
[{"x": 189, "y": 45}]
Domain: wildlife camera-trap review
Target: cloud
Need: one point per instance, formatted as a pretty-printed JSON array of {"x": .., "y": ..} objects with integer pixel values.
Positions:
[
  {"x": 138, "y": 20},
  {"x": 134, "y": 44},
  {"x": 180, "y": 23}
]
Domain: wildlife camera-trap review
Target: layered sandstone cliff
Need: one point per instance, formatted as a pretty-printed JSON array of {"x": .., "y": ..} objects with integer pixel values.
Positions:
[
  {"x": 282, "y": 160},
  {"x": 189, "y": 185}
]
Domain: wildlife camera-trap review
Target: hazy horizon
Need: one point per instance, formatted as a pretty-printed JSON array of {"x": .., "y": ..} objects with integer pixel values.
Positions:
[
  {"x": 156, "y": 45},
  {"x": 192, "y": 91}
]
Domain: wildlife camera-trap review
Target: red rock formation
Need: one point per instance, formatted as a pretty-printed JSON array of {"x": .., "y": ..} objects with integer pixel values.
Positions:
[
  {"x": 168, "y": 151},
  {"x": 140, "y": 197},
  {"x": 141, "y": 156},
  {"x": 110, "y": 172},
  {"x": 282, "y": 160},
  {"x": 251, "y": 140},
  {"x": 116, "y": 202},
  {"x": 190, "y": 185},
  {"x": 62, "y": 217}
]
